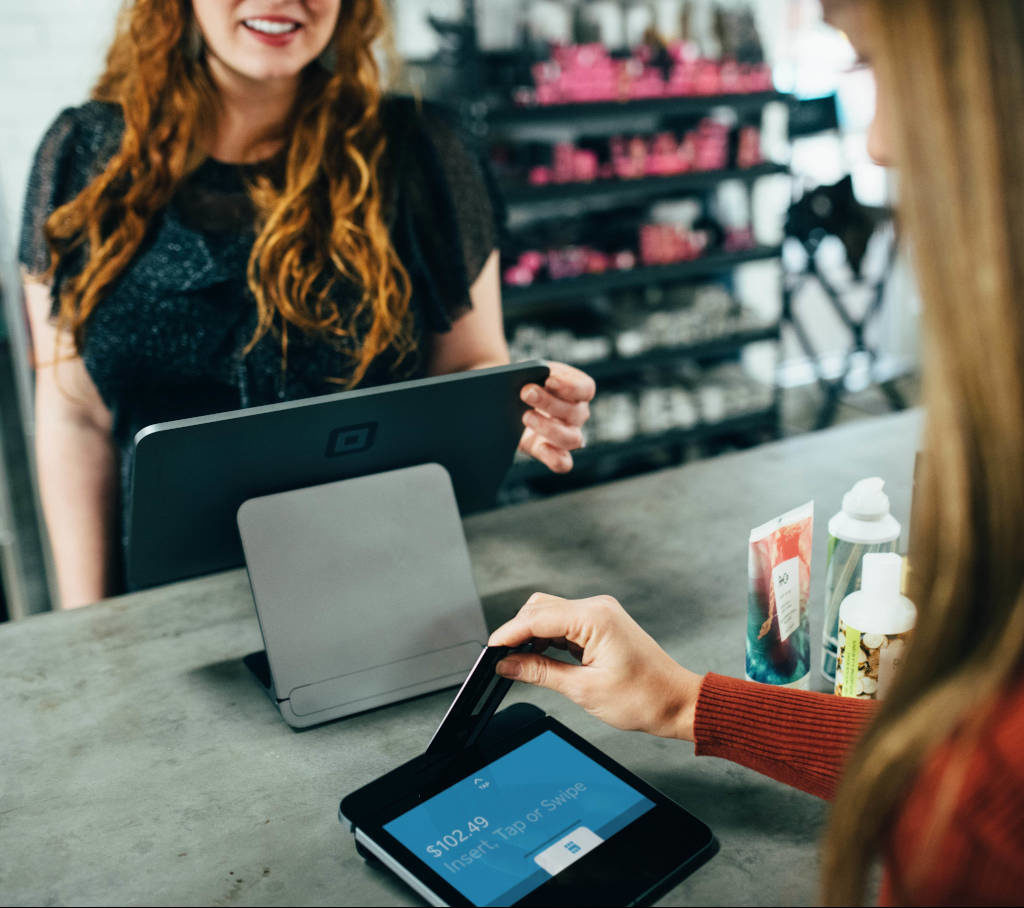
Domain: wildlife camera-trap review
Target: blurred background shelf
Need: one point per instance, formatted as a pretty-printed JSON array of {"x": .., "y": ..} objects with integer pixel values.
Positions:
[
  {"x": 518, "y": 299},
  {"x": 629, "y": 192},
  {"x": 712, "y": 348},
  {"x": 506, "y": 116}
]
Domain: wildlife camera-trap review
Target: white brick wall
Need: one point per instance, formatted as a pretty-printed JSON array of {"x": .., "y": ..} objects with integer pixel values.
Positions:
[{"x": 51, "y": 51}]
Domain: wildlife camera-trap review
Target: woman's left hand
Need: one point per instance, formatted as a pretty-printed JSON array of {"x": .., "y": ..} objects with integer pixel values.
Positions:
[{"x": 554, "y": 422}]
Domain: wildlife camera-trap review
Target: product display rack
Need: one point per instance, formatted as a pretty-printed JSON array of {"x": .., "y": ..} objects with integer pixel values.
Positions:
[
  {"x": 508, "y": 117},
  {"x": 548, "y": 298},
  {"x": 629, "y": 192},
  {"x": 600, "y": 304},
  {"x": 616, "y": 366},
  {"x": 577, "y": 289}
]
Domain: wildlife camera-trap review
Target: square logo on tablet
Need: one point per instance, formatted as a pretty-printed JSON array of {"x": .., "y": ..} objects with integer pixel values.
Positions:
[{"x": 351, "y": 439}]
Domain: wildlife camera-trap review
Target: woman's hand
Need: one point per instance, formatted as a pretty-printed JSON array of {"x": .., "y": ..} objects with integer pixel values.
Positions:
[
  {"x": 624, "y": 678},
  {"x": 554, "y": 422}
]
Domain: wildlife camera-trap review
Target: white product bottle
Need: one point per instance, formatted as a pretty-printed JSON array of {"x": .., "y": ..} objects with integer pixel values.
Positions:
[
  {"x": 874, "y": 629},
  {"x": 863, "y": 525}
]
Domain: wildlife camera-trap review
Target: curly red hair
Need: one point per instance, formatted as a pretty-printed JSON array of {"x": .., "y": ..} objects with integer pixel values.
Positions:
[{"x": 323, "y": 228}]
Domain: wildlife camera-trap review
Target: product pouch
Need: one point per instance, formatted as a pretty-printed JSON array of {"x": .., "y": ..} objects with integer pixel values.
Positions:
[{"x": 779, "y": 582}]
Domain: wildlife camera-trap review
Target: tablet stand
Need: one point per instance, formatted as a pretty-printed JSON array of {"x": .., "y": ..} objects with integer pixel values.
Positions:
[{"x": 363, "y": 590}]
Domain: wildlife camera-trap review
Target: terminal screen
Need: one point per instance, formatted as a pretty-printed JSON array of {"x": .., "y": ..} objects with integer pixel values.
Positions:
[{"x": 514, "y": 824}]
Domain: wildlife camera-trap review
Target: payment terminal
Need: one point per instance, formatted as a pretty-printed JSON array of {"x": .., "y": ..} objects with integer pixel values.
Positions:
[{"x": 519, "y": 810}]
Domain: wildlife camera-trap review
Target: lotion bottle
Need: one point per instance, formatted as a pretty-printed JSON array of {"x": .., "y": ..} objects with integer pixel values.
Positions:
[{"x": 875, "y": 624}]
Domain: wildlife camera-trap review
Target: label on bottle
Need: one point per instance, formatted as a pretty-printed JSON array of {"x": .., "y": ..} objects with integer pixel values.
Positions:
[
  {"x": 849, "y": 659},
  {"x": 786, "y": 585},
  {"x": 868, "y": 663}
]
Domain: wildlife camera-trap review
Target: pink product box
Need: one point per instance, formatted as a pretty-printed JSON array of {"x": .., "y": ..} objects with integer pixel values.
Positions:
[
  {"x": 706, "y": 78},
  {"x": 517, "y": 276},
  {"x": 666, "y": 244},
  {"x": 586, "y": 73},
  {"x": 562, "y": 264},
  {"x": 730, "y": 79},
  {"x": 748, "y": 148},
  {"x": 703, "y": 148},
  {"x": 570, "y": 165},
  {"x": 568, "y": 263},
  {"x": 598, "y": 262},
  {"x": 524, "y": 272},
  {"x": 568, "y": 55},
  {"x": 739, "y": 239},
  {"x": 533, "y": 260},
  {"x": 649, "y": 84},
  {"x": 539, "y": 176}
]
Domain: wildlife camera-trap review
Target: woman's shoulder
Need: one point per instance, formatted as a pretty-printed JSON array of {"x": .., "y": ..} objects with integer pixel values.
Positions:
[
  {"x": 73, "y": 150},
  {"x": 75, "y": 147},
  {"x": 396, "y": 107},
  {"x": 86, "y": 131},
  {"x": 410, "y": 122}
]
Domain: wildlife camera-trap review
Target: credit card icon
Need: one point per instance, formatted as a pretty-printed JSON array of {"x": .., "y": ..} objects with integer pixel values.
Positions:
[{"x": 555, "y": 858}]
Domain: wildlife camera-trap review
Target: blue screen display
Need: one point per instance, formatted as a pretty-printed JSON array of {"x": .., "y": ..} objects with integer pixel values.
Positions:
[{"x": 499, "y": 834}]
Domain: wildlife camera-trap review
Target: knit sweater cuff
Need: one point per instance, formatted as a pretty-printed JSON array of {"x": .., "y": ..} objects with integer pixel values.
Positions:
[{"x": 797, "y": 737}]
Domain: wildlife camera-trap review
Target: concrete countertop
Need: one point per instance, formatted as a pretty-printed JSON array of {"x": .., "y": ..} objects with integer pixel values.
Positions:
[{"x": 141, "y": 764}]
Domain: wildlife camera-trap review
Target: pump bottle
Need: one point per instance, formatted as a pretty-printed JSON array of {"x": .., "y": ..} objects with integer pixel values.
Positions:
[{"x": 864, "y": 525}]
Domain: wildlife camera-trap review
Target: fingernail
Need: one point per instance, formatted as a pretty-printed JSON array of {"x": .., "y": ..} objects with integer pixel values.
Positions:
[
  {"x": 509, "y": 668},
  {"x": 531, "y": 396},
  {"x": 529, "y": 418}
]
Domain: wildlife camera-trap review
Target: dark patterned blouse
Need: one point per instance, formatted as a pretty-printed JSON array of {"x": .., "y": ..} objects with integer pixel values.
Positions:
[{"x": 167, "y": 340}]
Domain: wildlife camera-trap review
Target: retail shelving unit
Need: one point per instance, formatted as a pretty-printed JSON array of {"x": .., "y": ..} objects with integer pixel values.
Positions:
[
  {"x": 595, "y": 306},
  {"x": 710, "y": 349},
  {"x": 544, "y": 295},
  {"x": 529, "y": 204},
  {"x": 506, "y": 116},
  {"x": 628, "y": 192}
]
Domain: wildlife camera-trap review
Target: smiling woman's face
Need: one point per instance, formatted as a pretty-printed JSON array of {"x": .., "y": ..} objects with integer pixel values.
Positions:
[
  {"x": 851, "y": 18},
  {"x": 265, "y": 40}
]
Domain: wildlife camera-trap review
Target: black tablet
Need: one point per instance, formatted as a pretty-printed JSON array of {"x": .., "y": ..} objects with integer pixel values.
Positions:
[
  {"x": 190, "y": 476},
  {"x": 531, "y": 814}
]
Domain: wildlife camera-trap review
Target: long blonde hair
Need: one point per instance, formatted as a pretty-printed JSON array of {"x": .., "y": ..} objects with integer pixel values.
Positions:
[
  {"x": 954, "y": 74},
  {"x": 324, "y": 228}
]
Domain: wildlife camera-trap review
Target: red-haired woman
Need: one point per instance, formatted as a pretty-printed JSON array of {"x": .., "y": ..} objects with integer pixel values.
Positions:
[{"x": 241, "y": 216}]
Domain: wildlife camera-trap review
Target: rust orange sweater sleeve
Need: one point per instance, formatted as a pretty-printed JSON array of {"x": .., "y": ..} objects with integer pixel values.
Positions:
[{"x": 797, "y": 737}]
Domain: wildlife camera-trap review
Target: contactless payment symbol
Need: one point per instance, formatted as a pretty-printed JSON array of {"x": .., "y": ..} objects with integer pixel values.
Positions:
[{"x": 482, "y": 784}]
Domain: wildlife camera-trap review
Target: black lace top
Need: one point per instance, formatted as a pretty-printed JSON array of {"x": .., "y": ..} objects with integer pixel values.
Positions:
[{"x": 167, "y": 340}]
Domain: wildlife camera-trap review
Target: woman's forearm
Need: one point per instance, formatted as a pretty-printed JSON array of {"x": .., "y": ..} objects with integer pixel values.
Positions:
[
  {"x": 797, "y": 737},
  {"x": 77, "y": 467}
]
